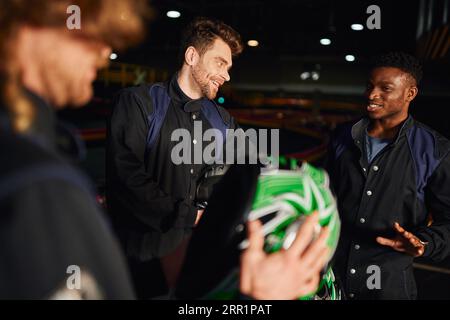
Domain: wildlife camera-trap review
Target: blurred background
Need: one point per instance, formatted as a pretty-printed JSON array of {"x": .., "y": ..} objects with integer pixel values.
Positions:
[{"x": 303, "y": 70}]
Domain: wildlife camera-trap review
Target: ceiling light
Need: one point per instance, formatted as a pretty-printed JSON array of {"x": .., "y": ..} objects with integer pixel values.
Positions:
[
  {"x": 350, "y": 58},
  {"x": 173, "y": 14},
  {"x": 253, "y": 43},
  {"x": 305, "y": 75},
  {"x": 325, "y": 42},
  {"x": 357, "y": 27},
  {"x": 113, "y": 56},
  {"x": 315, "y": 75}
]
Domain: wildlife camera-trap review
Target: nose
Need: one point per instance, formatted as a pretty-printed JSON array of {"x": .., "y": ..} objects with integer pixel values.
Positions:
[
  {"x": 226, "y": 76},
  {"x": 372, "y": 94}
]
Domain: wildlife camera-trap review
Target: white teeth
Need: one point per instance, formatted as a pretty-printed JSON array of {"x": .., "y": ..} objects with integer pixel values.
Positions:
[{"x": 373, "y": 107}]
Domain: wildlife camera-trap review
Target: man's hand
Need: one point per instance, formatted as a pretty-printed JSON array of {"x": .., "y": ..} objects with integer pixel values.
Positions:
[
  {"x": 404, "y": 241},
  {"x": 199, "y": 216},
  {"x": 287, "y": 274}
]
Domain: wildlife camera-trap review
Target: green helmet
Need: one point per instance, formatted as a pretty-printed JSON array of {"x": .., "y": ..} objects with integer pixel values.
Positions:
[
  {"x": 284, "y": 198},
  {"x": 281, "y": 200}
]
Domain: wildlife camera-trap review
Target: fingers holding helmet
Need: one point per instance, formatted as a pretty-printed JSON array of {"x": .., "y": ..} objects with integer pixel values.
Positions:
[{"x": 290, "y": 273}]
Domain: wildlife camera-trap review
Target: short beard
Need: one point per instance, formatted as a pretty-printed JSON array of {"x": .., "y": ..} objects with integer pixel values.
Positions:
[{"x": 198, "y": 74}]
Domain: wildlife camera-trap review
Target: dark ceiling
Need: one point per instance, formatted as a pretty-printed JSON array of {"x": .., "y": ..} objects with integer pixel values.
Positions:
[{"x": 289, "y": 33}]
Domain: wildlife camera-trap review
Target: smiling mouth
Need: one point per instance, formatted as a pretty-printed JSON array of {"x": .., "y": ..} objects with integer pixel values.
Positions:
[
  {"x": 216, "y": 84},
  {"x": 374, "y": 107}
]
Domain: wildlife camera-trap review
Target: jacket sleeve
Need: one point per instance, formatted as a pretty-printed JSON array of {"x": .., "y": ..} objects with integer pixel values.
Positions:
[
  {"x": 437, "y": 197},
  {"x": 140, "y": 194}
]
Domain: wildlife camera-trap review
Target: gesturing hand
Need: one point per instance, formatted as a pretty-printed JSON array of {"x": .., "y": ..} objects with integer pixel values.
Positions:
[{"x": 404, "y": 241}]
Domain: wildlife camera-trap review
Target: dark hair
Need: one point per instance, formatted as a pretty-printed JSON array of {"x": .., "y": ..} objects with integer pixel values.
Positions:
[
  {"x": 202, "y": 32},
  {"x": 403, "y": 61}
]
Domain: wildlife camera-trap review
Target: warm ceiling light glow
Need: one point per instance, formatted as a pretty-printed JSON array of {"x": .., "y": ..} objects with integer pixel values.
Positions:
[
  {"x": 357, "y": 27},
  {"x": 325, "y": 42},
  {"x": 253, "y": 43},
  {"x": 173, "y": 14}
]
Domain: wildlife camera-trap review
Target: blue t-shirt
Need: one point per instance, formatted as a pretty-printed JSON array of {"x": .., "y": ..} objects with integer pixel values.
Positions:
[{"x": 374, "y": 146}]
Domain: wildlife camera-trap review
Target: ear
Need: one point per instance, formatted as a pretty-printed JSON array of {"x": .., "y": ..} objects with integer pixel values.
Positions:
[
  {"x": 412, "y": 93},
  {"x": 191, "y": 56}
]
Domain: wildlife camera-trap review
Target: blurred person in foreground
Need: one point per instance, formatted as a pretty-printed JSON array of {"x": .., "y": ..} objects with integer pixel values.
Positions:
[{"x": 51, "y": 229}]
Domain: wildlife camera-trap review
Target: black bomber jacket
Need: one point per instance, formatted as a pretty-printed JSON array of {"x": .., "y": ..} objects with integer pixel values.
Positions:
[{"x": 408, "y": 181}]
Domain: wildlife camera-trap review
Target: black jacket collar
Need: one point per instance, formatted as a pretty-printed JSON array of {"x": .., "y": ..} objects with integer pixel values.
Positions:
[
  {"x": 360, "y": 128},
  {"x": 43, "y": 129},
  {"x": 181, "y": 99}
]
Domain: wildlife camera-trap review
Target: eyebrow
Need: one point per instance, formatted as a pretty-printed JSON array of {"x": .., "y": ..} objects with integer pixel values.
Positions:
[{"x": 383, "y": 82}]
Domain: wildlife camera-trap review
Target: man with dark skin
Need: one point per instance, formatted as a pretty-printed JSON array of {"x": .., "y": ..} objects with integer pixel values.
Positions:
[
  {"x": 389, "y": 172},
  {"x": 390, "y": 92}
]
